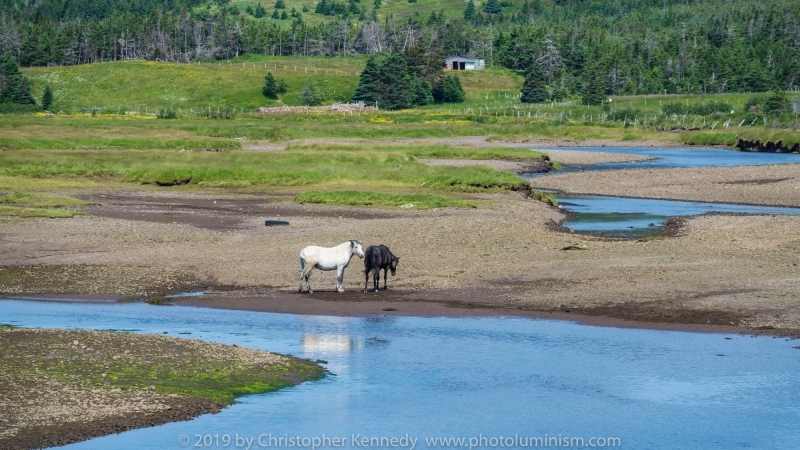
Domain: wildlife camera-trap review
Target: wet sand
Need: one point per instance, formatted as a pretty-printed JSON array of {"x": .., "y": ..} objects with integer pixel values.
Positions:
[{"x": 728, "y": 271}]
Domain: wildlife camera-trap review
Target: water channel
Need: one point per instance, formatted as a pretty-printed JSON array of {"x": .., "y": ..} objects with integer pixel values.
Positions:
[
  {"x": 472, "y": 377},
  {"x": 632, "y": 217}
]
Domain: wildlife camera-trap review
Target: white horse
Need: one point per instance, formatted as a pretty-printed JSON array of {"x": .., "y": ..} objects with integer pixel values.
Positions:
[{"x": 328, "y": 258}]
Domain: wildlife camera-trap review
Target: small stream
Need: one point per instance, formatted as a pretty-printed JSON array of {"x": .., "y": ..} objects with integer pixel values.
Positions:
[
  {"x": 471, "y": 377},
  {"x": 636, "y": 218}
]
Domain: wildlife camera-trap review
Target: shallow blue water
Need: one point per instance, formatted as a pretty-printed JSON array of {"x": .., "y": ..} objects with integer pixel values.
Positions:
[
  {"x": 671, "y": 158},
  {"x": 632, "y": 217},
  {"x": 445, "y": 377}
]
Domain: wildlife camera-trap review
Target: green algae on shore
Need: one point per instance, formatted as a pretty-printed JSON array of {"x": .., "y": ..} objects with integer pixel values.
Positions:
[{"x": 62, "y": 386}]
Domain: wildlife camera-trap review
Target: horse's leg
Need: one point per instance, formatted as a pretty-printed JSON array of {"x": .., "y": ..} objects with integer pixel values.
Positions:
[
  {"x": 385, "y": 273},
  {"x": 366, "y": 279},
  {"x": 339, "y": 278},
  {"x": 376, "y": 276},
  {"x": 305, "y": 274},
  {"x": 302, "y": 274}
]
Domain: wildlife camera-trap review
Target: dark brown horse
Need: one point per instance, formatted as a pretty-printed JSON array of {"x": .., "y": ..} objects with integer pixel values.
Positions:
[{"x": 378, "y": 257}]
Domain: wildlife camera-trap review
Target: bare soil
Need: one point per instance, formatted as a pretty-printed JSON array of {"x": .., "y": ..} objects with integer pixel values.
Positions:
[{"x": 710, "y": 271}]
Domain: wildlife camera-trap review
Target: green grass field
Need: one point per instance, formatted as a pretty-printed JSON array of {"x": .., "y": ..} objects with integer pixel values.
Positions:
[
  {"x": 124, "y": 143},
  {"x": 398, "y": 9},
  {"x": 142, "y": 87}
]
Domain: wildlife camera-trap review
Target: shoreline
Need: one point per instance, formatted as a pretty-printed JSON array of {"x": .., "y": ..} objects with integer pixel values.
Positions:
[
  {"x": 353, "y": 303},
  {"x": 92, "y": 383}
]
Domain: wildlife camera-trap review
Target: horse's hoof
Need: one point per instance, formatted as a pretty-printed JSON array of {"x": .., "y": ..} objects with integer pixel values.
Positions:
[{"x": 310, "y": 291}]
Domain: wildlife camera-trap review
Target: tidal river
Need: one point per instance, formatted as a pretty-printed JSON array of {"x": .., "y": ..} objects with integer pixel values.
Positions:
[
  {"x": 633, "y": 217},
  {"x": 495, "y": 382}
]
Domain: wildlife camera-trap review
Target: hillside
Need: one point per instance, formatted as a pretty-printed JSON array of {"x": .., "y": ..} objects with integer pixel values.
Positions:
[
  {"x": 626, "y": 47},
  {"x": 144, "y": 86}
]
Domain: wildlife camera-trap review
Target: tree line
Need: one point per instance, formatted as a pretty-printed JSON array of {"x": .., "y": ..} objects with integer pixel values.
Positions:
[{"x": 576, "y": 47}]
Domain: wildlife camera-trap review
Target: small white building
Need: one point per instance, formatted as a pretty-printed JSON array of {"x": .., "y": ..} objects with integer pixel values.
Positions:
[{"x": 464, "y": 63}]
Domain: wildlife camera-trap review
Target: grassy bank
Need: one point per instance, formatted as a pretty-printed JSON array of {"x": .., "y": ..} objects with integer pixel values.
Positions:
[
  {"x": 36, "y": 204},
  {"x": 91, "y": 383},
  {"x": 383, "y": 169}
]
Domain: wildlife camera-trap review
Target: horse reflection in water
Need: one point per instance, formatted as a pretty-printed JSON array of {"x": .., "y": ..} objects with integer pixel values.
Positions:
[
  {"x": 378, "y": 257},
  {"x": 328, "y": 258}
]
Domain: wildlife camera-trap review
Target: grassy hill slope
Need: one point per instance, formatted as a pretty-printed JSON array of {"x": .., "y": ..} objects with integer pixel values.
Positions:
[{"x": 145, "y": 86}]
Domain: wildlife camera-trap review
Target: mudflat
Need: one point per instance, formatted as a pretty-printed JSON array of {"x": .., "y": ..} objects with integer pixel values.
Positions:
[{"x": 506, "y": 258}]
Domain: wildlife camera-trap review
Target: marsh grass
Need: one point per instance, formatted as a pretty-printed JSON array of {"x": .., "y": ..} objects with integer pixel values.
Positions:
[
  {"x": 17, "y": 211},
  {"x": 353, "y": 166},
  {"x": 382, "y": 200},
  {"x": 41, "y": 200}
]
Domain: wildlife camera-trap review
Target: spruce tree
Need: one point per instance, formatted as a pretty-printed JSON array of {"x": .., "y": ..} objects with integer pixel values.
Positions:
[
  {"x": 469, "y": 12},
  {"x": 423, "y": 94},
  {"x": 396, "y": 85},
  {"x": 275, "y": 15},
  {"x": 453, "y": 92},
  {"x": 280, "y": 4},
  {"x": 270, "y": 89},
  {"x": 534, "y": 89},
  {"x": 47, "y": 98},
  {"x": 260, "y": 11},
  {"x": 14, "y": 87},
  {"x": 284, "y": 16},
  {"x": 594, "y": 89},
  {"x": 369, "y": 84},
  {"x": 311, "y": 94},
  {"x": 777, "y": 103},
  {"x": 492, "y": 7}
]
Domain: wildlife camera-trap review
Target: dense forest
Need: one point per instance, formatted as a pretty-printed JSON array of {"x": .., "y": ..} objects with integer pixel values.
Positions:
[{"x": 628, "y": 46}]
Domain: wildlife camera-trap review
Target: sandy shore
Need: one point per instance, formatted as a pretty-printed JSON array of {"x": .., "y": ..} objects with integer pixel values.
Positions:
[
  {"x": 776, "y": 185},
  {"x": 64, "y": 386},
  {"x": 734, "y": 271}
]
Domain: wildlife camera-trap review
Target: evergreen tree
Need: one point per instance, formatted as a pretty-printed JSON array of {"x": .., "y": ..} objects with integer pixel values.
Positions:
[
  {"x": 453, "y": 92},
  {"x": 777, "y": 103},
  {"x": 423, "y": 94},
  {"x": 369, "y": 84},
  {"x": 594, "y": 89},
  {"x": 281, "y": 87},
  {"x": 275, "y": 15},
  {"x": 284, "y": 16},
  {"x": 469, "y": 12},
  {"x": 757, "y": 79},
  {"x": 280, "y": 4},
  {"x": 14, "y": 87},
  {"x": 396, "y": 85},
  {"x": 311, "y": 94},
  {"x": 249, "y": 10},
  {"x": 47, "y": 98},
  {"x": 534, "y": 89},
  {"x": 270, "y": 89},
  {"x": 259, "y": 12},
  {"x": 492, "y": 7}
]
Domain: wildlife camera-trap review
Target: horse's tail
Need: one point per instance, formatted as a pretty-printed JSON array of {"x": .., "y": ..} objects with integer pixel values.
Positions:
[{"x": 302, "y": 264}]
